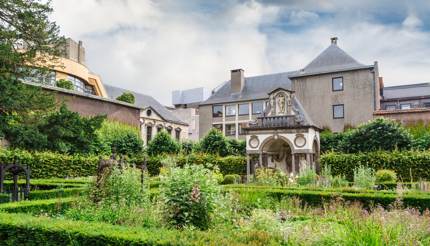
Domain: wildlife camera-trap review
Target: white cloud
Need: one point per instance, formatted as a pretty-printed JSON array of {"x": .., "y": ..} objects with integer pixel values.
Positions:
[
  {"x": 156, "y": 47},
  {"x": 412, "y": 21}
]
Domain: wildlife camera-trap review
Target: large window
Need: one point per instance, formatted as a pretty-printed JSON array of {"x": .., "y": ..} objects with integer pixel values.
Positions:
[
  {"x": 148, "y": 134},
  {"x": 338, "y": 111},
  {"x": 38, "y": 76},
  {"x": 230, "y": 129},
  {"x": 230, "y": 110},
  {"x": 257, "y": 107},
  {"x": 217, "y": 111},
  {"x": 80, "y": 85},
  {"x": 244, "y": 109},
  {"x": 390, "y": 107},
  {"x": 337, "y": 84},
  {"x": 405, "y": 106},
  {"x": 240, "y": 130}
]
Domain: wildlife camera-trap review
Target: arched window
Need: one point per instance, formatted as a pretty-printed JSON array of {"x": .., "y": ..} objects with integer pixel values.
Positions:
[{"x": 178, "y": 133}]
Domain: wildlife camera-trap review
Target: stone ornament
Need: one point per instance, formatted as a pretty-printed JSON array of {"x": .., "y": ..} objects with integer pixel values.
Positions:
[
  {"x": 280, "y": 103},
  {"x": 300, "y": 140},
  {"x": 254, "y": 142}
]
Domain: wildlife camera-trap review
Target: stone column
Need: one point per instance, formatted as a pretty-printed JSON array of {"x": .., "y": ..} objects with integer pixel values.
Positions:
[
  {"x": 308, "y": 160},
  {"x": 293, "y": 164},
  {"x": 248, "y": 169},
  {"x": 260, "y": 159}
]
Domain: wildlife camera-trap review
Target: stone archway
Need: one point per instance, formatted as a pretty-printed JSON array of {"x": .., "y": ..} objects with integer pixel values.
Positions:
[{"x": 277, "y": 153}]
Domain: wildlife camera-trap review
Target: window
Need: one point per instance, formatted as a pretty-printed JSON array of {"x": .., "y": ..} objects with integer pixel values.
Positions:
[
  {"x": 427, "y": 104},
  {"x": 218, "y": 127},
  {"x": 159, "y": 128},
  {"x": 390, "y": 107},
  {"x": 230, "y": 110},
  {"x": 405, "y": 106},
  {"x": 38, "y": 76},
  {"x": 338, "y": 111},
  {"x": 148, "y": 134},
  {"x": 230, "y": 129},
  {"x": 178, "y": 134},
  {"x": 80, "y": 85},
  {"x": 241, "y": 131},
  {"x": 169, "y": 130},
  {"x": 337, "y": 84},
  {"x": 257, "y": 107},
  {"x": 217, "y": 111},
  {"x": 244, "y": 109}
]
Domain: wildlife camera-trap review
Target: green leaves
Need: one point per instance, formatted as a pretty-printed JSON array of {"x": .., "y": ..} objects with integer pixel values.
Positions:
[
  {"x": 163, "y": 143},
  {"x": 127, "y": 97}
]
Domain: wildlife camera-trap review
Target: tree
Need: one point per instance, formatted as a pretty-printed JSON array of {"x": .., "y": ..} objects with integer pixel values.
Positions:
[
  {"x": 163, "y": 144},
  {"x": 379, "y": 134},
  {"x": 27, "y": 39},
  {"x": 121, "y": 138},
  {"x": 65, "y": 84},
  {"x": 126, "y": 97},
  {"x": 215, "y": 143}
]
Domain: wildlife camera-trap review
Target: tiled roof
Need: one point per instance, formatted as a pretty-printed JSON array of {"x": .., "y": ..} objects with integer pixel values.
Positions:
[
  {"x": 257, "y": 87},
  {"x": 144, "y": 101},
  {"x": 332, "y": 59},
  {"x": 407, "y": 91}
]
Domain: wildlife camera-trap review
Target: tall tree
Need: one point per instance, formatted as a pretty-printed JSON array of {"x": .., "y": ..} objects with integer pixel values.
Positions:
[{"x": 28, "y": 39}]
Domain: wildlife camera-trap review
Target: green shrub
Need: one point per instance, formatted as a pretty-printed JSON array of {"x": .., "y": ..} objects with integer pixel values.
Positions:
[
  {"x": 187, "y": 147},
  {"x": 307, "y": 176},
  {"x": 236, "y": 147},
  {"x": 331, "y": 141},
  {"x": 215, "y": 143},
  {"x": 119, "y": 137},
  {"x": 189, "y": 195},
  {"x": 52, "y": 165},
  {"x": 379, "y": 134},
  {"x": 127, "y": 97},
  {"x": 364, "y": 177},
  {"x": 36, "y": 207},
  {"x": 407, "y": 164},
  {"x": 386, "y": 176},
  {"x": 65, "y": 84},
  {"x": 231, "y": 179},
  {"x": 163, "y": 143}
]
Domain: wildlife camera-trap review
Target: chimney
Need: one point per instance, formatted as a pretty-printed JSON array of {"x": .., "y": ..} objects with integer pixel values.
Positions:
[
  {"x": 237, "y": 80},
  {"x": 333, "y": 40}
]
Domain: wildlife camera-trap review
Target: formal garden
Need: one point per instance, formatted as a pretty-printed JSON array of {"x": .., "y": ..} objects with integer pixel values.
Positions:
[{"x": 72, "y": 180}]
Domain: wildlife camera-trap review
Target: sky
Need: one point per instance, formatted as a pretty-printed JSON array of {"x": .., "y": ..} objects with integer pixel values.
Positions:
[{"x": 157, "y": 46}]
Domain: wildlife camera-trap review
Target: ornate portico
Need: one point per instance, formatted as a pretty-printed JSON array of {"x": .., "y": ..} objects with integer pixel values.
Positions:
[{"x": 284, "y": 137}]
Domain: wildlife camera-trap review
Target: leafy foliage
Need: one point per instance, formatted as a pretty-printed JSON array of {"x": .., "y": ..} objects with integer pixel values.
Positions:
[
  {"x": 237, "y": 147},
  {"x": 364, "y": 177},
  {"x": 307, "y": 176},
  {"x": 65, "y": 84},
  {"x": 272, "y": 177},
  {"x": 119, "y": 138},
  {"x": 163, "y": 143},
  {"x": 231, "y": 179},
  {"x": 215, "y": 143},
  {"x": 189, "y": 195},
  {"x": 386, "y": 176},
  {"x": 127, "y": 97}
]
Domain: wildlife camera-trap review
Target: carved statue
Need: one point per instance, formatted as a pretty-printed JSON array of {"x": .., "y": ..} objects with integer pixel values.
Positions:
[
  {"x": 281, "y": 104},
  {"x": 272, "y": 106}
]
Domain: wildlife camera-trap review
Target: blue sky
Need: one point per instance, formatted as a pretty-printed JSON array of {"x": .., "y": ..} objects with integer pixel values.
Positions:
[{"x": 155, "y": 47}]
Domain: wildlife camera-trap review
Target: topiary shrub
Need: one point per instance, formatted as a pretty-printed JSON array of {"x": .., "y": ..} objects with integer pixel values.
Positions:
[
  {"x": 189, "y": 195},
  {"x": 231, "y": 179},
  {"x": 386, "y": 176},
  {"x": 127, "y": 97},
  {"x": 379, "y": 134},
  {"x": 163, "y": 143},
  {"x": 215, "y": 143},
  {"x": 65, "y": 84}
]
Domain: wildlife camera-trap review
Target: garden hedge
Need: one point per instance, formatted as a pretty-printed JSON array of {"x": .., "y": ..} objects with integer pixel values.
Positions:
[
  {"x": 51, "y": 165},
  {"x": 226, "y": 165},
  {"x": 419, "y": 201},
  {"x": 24, "y": 229},
  {"x": 409, "y": 165},
  {"x": 50, "y": 206}
]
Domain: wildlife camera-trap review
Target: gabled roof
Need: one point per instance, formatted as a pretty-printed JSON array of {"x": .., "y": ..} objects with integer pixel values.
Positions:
[
  {"x": 143, "y": 101},
  {"x": 407, "y": 91},
  {"x": 257, "y": 87},
  {"x": 332, "y": 59}
]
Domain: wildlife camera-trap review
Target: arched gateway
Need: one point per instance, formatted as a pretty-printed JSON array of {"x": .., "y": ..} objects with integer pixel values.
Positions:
[{"x": 284, "y": 137}]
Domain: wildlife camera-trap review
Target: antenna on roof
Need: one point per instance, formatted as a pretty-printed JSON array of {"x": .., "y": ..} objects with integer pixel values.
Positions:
[{"x": 333, "y": 40}]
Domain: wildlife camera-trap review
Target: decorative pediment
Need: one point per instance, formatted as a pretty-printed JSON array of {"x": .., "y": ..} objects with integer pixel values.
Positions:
[{"x": 280, "y": 102}]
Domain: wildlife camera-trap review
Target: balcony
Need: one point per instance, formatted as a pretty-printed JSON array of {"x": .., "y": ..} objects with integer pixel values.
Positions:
[{"x": 284, "y": 121}]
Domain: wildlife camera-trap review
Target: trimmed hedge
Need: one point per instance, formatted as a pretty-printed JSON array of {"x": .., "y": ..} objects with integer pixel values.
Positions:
[
  {"x": 24, "y": 229},
  {"x": 227, "y": 165},
  {"x": 420, "y": 201},
  {"x": 404, "y": 163},
  {"x": 52, "y": 165},
  {"x": 51, "y": 206}
]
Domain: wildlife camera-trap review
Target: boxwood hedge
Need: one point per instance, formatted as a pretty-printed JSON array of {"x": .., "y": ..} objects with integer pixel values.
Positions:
[{"x": 409, "y": 165}]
